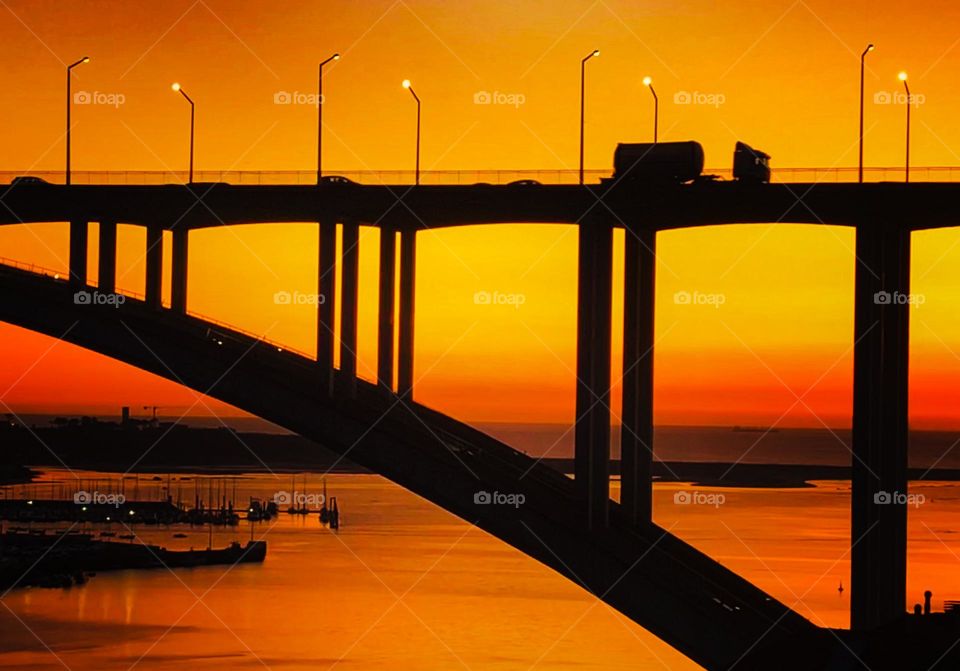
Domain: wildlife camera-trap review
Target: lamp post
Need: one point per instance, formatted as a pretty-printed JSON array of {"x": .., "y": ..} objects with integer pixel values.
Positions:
[
  {"x": 85, "y": 59},
  {"x": 583, "y": 63},
  {"x": 335, "y": 57},
  {"x": 648, "y": 82},
  {"x": 176, "y": 87},
  {"x": 863, "y": 57},
  {"x": 407, "y": 85},
  {"x": 903, "y": 77}
]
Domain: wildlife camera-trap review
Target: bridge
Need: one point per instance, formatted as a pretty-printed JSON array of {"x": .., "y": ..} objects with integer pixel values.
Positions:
[{"x": 613, "y": 549}]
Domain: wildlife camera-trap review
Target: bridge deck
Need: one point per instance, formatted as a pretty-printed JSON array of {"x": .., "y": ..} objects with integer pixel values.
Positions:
[{"x": 641, "y": 205}]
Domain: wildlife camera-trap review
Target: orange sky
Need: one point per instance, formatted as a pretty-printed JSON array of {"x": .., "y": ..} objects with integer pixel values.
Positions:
[{"x": 786, "y": 73}]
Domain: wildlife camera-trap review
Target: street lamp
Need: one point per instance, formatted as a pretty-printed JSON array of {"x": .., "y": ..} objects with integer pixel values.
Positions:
[
  {"x": 407, "y": 85},
  {"x": 903, "y": 77},
  {"x": 583, "y": 63},
  {"x": 648, "y": 82},
  {"x": 335, "y": 57},
  {"x": 863, "y": 56},
  {"x": 85, "y": 59},
  {"x": 176, "y": 87}
]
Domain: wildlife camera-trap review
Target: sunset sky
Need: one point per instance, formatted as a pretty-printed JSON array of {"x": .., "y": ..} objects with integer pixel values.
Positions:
[{"x": 782, "y": 76}]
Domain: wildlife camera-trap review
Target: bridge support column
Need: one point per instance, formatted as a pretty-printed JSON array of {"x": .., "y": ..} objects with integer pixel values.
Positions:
[
  {"x": 386, "y": 308},
  {"x": 636, "y": 431},
  {"x": 592, "y": 431},
  {"x": 408, "y": 270},
  {"x": 178, "y": 263},
  {"x": 107, "y": 264},
  {"x": 880, "y": 431},
  {"x": 326, "y": 303},
  {"x": 154, "y": 281},
  {"x": 78, "y": 252},
  {"x": 350, "y": 277}
]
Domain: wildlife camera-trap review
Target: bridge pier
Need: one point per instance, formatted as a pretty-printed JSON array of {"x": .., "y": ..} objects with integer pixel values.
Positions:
[
  {"x": 592, "y": 431},
  {"x": 107, "y": 255},
  {"x": 178, "y": 273},
  {"x": 386, "y": 308},
  {"x": 636, "y": 431},
  {"x": 154, "y": 280},
  {"x": 78, "y": 252},
  {"x": 350, "y": 277},
  {"x": 408, "y": 270},
  {"x": 880, "y": 430},
  {"x": 326, "y": 302}
]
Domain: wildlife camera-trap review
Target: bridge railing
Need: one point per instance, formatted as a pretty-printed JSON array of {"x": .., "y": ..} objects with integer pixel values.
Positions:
[
  {"x": 462, "y": 177},
  {"x": 62, "y": 276}
]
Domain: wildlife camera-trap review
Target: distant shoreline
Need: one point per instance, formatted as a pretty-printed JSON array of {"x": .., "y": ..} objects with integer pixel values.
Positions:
[{"x": 702, "y": 474}]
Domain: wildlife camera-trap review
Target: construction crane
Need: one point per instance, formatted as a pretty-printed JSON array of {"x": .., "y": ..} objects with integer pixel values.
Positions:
[{"x": 154, "y": 408}]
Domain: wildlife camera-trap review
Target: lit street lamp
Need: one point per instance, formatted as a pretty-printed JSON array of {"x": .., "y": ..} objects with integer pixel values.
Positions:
[
  {"x": 335, "y": 57},
  {"x": 863, "y": 56},
  {"x": 648, "y": 82},
  {"x": 583, "y": 63},
  {"x": 903, "y": 77},
  {"x": 85, "y": 59},
  {"x": 407, "y": 85},
  {"x": 176, "y": 87}
]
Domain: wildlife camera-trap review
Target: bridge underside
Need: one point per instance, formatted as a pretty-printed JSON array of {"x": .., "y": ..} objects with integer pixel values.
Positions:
[{"x": 690, "y": 601}]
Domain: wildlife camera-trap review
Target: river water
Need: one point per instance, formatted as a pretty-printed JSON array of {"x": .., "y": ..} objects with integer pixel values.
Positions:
[{"x": 408, "y": 586}]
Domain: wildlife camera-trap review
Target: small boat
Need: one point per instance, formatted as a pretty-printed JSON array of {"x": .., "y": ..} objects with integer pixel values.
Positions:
[{"x": 179, "y": 535}]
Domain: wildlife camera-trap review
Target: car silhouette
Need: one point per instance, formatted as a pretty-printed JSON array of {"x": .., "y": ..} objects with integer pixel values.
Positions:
[{"x": 336, "y": 179}]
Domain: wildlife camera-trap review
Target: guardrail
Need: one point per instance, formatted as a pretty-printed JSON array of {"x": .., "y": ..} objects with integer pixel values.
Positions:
[{"x": 461, "y": 177}]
